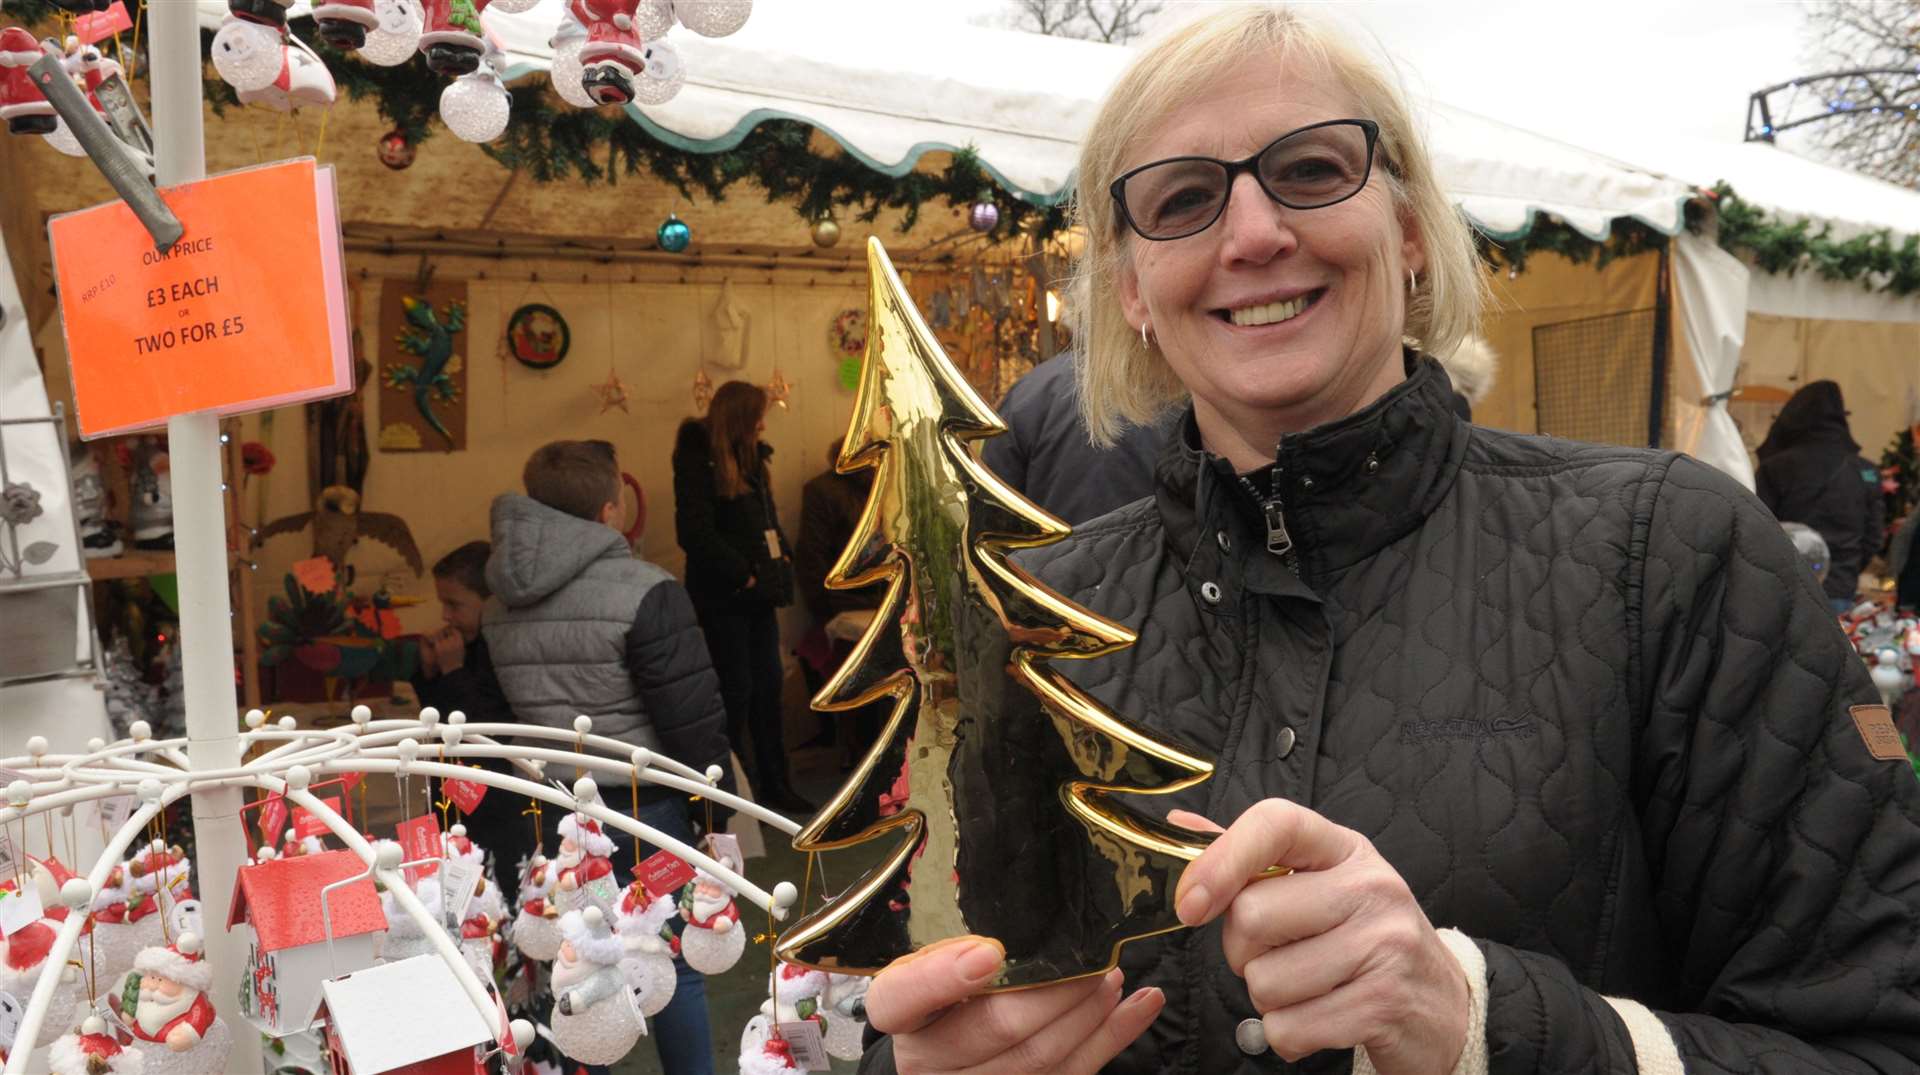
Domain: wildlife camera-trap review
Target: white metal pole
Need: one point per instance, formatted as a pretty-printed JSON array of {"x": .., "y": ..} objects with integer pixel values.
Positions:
[{"x": 200, "y": 547}]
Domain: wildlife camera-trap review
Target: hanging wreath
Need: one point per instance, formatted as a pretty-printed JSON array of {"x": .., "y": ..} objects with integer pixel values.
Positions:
[
  {"x": 538, "y": 336},
  {"x": 848, "y": 333}
]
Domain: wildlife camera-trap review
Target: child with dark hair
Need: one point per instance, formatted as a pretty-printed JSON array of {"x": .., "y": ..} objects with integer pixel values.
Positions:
[{"x": 456, "y": 673}]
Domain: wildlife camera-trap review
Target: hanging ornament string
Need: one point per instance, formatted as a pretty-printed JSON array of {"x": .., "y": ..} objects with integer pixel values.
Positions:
[
  {"x": 773, "y": 973},
  {"x": 806, "y": 883},
  {"x": 539, "y": 833},
  {"x": 157, "y": 849},
  {"x": 48, "y": 815}
]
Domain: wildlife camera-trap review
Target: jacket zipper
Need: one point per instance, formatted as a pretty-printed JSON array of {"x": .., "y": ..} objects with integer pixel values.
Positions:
[{"x": 1279, "y": 542}]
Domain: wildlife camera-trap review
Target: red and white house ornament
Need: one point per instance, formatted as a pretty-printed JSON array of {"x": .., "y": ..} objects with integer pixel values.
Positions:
[
  {"x": 285, "y": 923},
  {"x": 90, "y": 1050}
]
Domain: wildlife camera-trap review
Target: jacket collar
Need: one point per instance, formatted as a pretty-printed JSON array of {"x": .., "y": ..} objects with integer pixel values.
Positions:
[{"x": 1348, "y": 488}]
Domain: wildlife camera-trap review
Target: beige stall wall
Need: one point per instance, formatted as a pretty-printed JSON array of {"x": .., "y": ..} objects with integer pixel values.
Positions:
[
  {"x": 1551, "y": 290},
  {"x": 1875, "y": 363},
  {"x": 652, "y": 333}
]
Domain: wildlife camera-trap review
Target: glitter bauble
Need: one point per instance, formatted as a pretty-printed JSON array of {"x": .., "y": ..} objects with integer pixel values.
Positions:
[
  {"x": 712, "y": 951},
  {"x": 603, "y": 1033},
  {"x": 652, "y": 978},
  {"x": 476, "y": 107},
  {"x": 536, "y": 936},
  {"x": 712, "y": 18},
  {"x": 397, "y": 37},
  {"x": 248, "y": 56}
]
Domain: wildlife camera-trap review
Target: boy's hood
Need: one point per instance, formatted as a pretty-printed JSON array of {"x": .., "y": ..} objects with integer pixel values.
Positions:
[{"x": 538, "y": 549}]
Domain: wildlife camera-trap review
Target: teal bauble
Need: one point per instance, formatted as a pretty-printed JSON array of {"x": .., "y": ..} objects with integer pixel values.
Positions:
[{"x": 674, "y": 235}]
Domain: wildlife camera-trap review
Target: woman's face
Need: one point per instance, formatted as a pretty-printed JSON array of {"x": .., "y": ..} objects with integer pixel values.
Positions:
[{"x": 1340, "y": 271}]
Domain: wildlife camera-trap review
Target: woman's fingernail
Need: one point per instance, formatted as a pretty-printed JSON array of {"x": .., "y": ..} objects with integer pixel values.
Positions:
[
  {"x": 1113, "y": 979},
  {"x": 978, "y": 962},
  {"x": 1193, "y": 906},
  {"x": 1141, "y": 998}
]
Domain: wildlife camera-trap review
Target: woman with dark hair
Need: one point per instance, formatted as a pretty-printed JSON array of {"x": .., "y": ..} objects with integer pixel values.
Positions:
[{"x": 739, "y": 570}]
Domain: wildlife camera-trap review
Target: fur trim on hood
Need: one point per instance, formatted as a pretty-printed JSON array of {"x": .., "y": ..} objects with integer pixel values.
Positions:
[{"x": 1472, "y": 368}]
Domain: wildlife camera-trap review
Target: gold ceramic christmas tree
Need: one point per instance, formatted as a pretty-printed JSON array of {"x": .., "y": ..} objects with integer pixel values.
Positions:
[{"x": 993, "y": 774}]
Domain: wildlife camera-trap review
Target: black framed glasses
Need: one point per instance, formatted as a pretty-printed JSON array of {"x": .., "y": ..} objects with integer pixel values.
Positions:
[{"x": 1310, "y": 168}]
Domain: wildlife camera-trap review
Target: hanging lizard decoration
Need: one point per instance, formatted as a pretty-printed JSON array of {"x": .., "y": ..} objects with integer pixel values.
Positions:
[
  {"x": 430, "y": 337},
  {"x": 990, "y": 757}
]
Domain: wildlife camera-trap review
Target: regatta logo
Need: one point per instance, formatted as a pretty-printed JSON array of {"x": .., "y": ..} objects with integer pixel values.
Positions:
[{"x": 1430, "y": 731}]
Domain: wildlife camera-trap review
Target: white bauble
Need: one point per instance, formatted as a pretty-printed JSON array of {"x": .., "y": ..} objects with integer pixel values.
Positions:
[
  {"x": 712, "y": 18},
  {"x": 663, "y": 78},
  {"x": 651, "y": 977},
  {"x": 207, "y": 1057},
  {"x": 62, "y": 139},
  {"x": 397, "y": 36},
  {"x": 712, "y": 951},
  {"x": 64, "y": 1012},
  {"x": 248, "y": 55},
  {"x": 115, "y": 946},
  {"x": 844, "y": 1032},
  {"x": 757, "y": 1030},
  {"x": 536, "y": 936},
  {"x": 566, "y": 72},
  {"x": 603, "y": 1033},
  {"x": 653, "y": 18},
  {"x": 476, "y": 107}
]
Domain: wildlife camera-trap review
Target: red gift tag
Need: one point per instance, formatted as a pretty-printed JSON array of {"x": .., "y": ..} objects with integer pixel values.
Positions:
[
  {"x": 97, "y": 26},
  {"x": 419, "y": 839},
  {"x": 306, "y": 823},
  {"x": 466, "y": 794},
  {"x": 273, "y": 820},
  {"x": 662, "y": 874}
]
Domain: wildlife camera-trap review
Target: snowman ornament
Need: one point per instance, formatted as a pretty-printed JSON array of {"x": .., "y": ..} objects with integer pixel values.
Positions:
[{"x": 595, "y": 1019}]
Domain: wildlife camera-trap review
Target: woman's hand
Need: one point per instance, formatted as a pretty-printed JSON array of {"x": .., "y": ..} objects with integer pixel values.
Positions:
[
  {"x": 1336, "y": 954},
  {"x": 926, "y": 1001}
]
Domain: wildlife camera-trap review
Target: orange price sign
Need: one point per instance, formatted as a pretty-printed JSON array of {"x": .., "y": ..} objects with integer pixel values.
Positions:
[{"x": 246, "y": 312}]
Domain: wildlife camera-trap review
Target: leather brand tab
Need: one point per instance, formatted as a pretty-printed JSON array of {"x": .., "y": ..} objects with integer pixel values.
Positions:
[{"x": 1877, "y": 730}]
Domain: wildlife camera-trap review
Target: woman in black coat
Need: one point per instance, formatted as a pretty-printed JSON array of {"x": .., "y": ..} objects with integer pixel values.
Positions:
[
  {"x": 739, "y": 571},
  {"x": 1811, "y": 472}
]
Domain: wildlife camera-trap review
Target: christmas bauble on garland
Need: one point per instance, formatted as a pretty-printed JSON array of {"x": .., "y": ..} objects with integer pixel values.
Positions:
[
  {"x": 984, "y": 216},
  {"x": 674, "y": 235},
  {"x": 395, "y": 151},
  {"x": 826, "y": 232}
]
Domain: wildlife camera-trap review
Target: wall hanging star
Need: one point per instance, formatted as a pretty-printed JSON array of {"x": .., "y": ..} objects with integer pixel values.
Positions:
[{"x": 612, "y": 392}]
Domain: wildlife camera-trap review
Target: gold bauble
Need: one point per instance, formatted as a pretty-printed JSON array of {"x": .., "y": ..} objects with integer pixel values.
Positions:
[{"x": 825, "y": 232}]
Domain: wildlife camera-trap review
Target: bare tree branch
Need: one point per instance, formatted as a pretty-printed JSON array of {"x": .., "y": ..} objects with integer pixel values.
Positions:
[
  {"x": 1875, "y": 129},
  {"x": 1113, "y": 21}
]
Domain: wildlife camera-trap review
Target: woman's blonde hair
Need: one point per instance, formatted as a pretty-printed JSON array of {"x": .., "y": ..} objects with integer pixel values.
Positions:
[{"x": 1123, "y": 381}]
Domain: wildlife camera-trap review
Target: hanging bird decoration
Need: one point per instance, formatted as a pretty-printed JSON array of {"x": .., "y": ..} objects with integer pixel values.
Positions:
[{"x": 338, "y": 523}]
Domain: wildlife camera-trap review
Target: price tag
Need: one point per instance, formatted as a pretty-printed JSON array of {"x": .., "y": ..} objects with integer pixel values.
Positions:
[
  {"x": 466, "y": 794},
  {"x": 419, "y": 838},
  {"x": 19, "y": 908},
  {"x": 307, "y": 823},
  {"x": 663, "y": 874},
  {"x": 273, "y": 820},
  {"x": 809, "y": 1049},
  {"x": 724, "y": 848},
  {"x": 114, "y": 811},
  {"x": 773, "y": 545},
  {"x": 457, "y": 877},
  {"x": 96, "y": 26}
]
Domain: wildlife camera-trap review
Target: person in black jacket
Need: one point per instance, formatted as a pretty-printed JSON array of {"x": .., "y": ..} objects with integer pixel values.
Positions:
[
  {"x": 830, "y": 507},
  {"x": 739, "y": 572},
  {"x": 456, "y": 675},
  {"x": 1568, "y": 764},
  {"x": 1046, "y": 455},
  {"x": 1811, "y": 472}
]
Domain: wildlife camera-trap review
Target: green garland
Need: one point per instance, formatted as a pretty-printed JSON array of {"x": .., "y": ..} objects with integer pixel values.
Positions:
[
  {"x": 1787, "y": 248},
  {"x": 1551, "y": 235}
]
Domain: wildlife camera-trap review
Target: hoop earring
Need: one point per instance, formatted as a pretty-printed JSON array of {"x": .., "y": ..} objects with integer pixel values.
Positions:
[
  {"x": 1413, "y": 283},
  {"x": 1144, "y": 345}
]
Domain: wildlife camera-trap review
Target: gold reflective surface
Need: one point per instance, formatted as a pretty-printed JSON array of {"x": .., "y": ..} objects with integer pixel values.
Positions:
[{"x": 993, "y": 775}]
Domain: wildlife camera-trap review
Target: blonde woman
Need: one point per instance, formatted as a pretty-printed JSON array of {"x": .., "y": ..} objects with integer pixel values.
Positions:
[{"x": 1570, "y": 765}]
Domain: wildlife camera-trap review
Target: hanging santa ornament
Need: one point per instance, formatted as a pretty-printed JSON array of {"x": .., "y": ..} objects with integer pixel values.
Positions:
[
  {"x": 303, "y": 82},
  {"x": 583, "y": 859},
  {"x": 247, "y": 53},
  {"x": 395, "y": 36},
  {"x": 476, "y": 106},
  {"x": 480, "y": 930},
  {"x": 394, "y": 150},
  {"x": 595, "y": 1019},
  {"x": 116, "y": 940},
  {"x": 344, "y": 24},
  {"x": 983, "y": 216},
  {"x": 152, "y": 876},
  {"x": 88, "y": 69},
  {"x": 22, "y": 104},
  {"x": 661, "y": 79},
  {"x": 712, "y": 18},
  {"x": 567, "y": 71},
  {"x": 453, "y": 41},
  {"x": 536, "y": 928},
  {"x": 26, "y": 959},
  {"x": 614, "y": 54},
  {"x": 648, "y": 945},
  {"x": 92, "y": 1051},
  {"x": 674, "y": 235},
  {"x": 713, "y": 940},
  {"x": 826, "y": 232},
  {"x": 163, "y": 1002}
]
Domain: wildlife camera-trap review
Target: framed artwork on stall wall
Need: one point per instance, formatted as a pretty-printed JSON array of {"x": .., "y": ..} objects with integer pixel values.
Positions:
[
  {"x": 423, "y": 368},
  {"x": 538, "y": 336}
]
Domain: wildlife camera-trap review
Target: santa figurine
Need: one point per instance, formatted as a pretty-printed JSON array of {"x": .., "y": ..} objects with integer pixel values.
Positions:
[
  {"x": 93, "y": 1051},
  {"x": 294, "y": 845},
  {"x": 480, "y": 930},
  {"x": 26, "y": 959},
  {"x": 595, "y": 1019},
  {"x": 536, "y": 928},
  {"x": 458, "y": 845},
  {"x": 713, "y": 939},
  {"x": 154, "y": 875},
  {"x": 163, "y": 1001},
  {"x": 649, "y": 945},
  {"x": 583, "y": 858},
  {"x": 115, "y": 939},
  {"x": 406, "y": 937}
]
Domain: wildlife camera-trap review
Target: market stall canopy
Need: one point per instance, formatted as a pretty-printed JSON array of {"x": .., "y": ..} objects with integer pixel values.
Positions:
[{"x": 890, "y": 95}]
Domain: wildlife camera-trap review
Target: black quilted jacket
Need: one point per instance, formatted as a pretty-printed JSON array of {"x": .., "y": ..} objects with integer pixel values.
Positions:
[{"x": 1583, "y": 698}]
